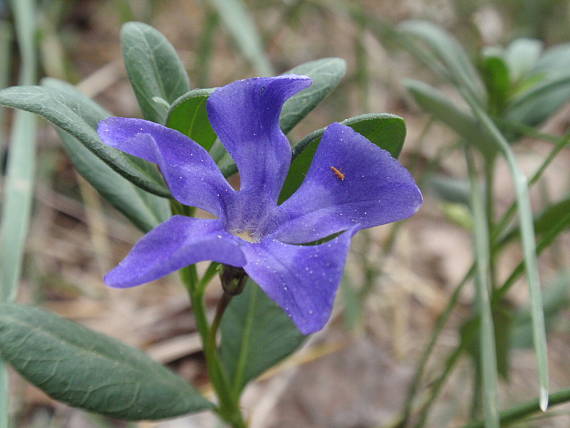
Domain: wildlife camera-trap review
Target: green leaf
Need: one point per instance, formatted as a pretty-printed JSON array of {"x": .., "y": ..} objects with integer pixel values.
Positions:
[
  {"x": 556, "y": 301},
  {"x": 241, "y": 26},
  {"x": 188, "y": 115},
  {"x": 326, "y": 74},
  {"x": 547, "y": 221},
  {"x": 256, "y": 335},
  {"x": 554, "y": 62},
  {"x": 497, "y": 82},
  {"x": 20, "y": 170},
  {"x": 156, "y": 73},
  {"x": 449, "y": 189},
  {"x": 537, "y": 104},
  {"x": 67, "y": 113},
  {"x": 89, "y": 370},
  {"x": 143, "y": 209},
  {"x": 387, "y": 131},
  {"x": 438, "y": 105},
  {"x": 521, "y": 56},
  {"x": 17, "y": 203},
  {"x": 5, "y": 67},
  {"x": 454, "y": 60},
  {"x": 487, "y": 340}
]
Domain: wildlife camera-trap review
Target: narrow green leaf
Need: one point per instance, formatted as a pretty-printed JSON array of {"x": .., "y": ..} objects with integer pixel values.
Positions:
[
  {"x": 67, "y": 113},
  {"x": 528, "y": 242},
  {"x": 438, "y": 105},
  {"x": 188, "y": 115},
  {"x": 256, "y": 335},
  {"x": 449, "y": 189},
  {"x": 89, "y": 370},
  {"x": 4, "y": 394},
  {"x": 522, "y": 55},
  {"x": 5, "y": 66},
  {"x": 556, "y": 301},
  {"x": 17, "y": 205},
  {"x": 541, "y": 101},
  {"x": 326, "y": 74},
  {"x": 452, "y": 56},
  {"x": 242, "y": 28},
  {"x": 544, "y": 222},
  {"x": 387, "y": 131},
  {"x": 518, "y": 413},
  {"x": 144, "y": 209},
  {"x": 156, "y": 73},
  {"x": 487, "y": 330},
  {"x": 18, "y": 186}
]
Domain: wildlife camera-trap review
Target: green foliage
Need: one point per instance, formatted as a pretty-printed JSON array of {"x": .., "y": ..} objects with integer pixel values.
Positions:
[
  {"x": 143, "y": 209},
  {"x": 256, "y": 335},
  {"x": 463, "y": 123},
  {"x": 445, "y": 56},
  {"x": 326, "y": 74},
  {"x": 188, "y": 115},
  {"x": 73, "y": 116},
  {"x": 156, "y": 74},
  {"x": 89, "y": 370},
  {"x": 387, "y": 131},
  {"x": 239, "y": 23}
]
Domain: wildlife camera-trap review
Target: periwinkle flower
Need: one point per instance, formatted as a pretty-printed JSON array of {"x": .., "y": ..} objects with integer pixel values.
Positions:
[{"x": 352, "y": 184}]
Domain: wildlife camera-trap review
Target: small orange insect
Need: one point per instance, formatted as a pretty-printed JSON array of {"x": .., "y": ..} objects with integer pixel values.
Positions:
[{"x": 339, "y": 174}]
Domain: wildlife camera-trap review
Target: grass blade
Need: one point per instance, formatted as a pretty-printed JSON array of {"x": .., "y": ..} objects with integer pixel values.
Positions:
[
  {"x": 528, "y": 243},
  {"x": 5, "y": 63},
  {"x": 521, "y": 411},
  {"x": 18, "y": 193},
  {"x": 241, "y": 26},
  {"x": 487, "y": 330}
]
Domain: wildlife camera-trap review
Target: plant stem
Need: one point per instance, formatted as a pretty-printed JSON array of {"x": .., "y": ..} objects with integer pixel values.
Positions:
[
  {"x": 523, "y": 410},
  {"x": 228, "y": 408}
]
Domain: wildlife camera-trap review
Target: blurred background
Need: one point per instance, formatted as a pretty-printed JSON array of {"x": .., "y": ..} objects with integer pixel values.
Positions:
[{"x": 399, "y": 278}]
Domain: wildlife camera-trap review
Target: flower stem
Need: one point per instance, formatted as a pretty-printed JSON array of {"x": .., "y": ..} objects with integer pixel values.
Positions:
[{"x": 228, "y": 408}]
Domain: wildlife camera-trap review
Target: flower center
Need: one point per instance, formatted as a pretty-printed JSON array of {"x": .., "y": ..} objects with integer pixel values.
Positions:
[{"x": 246, "y": 235}]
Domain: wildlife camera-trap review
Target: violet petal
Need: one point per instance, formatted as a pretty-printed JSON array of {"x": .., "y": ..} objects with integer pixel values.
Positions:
[
  {"x": 245, "y": 116},
  {"x": 190, "y": 172},
  {"x": 303, "y": 280},
  {"x": 350, "y": 182},
  {"x": 176, "y": 243}
]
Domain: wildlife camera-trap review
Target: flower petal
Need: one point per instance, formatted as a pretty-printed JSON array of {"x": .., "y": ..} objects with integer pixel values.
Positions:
[
  {"x": 350, "y": 182},
  {"x": 303, "y": 280},
  {"x": 245, "y": 116},
  {"x": 176, "y": 243},
  {"x": 191, "y": 174}
]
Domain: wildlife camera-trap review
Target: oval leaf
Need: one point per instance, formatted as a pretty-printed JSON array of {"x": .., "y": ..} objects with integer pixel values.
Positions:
[
  {"x": 89, "y": 370},
  {"x": 156, "y": 73},
  {"x": 385, "y": 130},
  {"x": 326, "y": 74},
  {"x": 188, "y": 115},
  {"x": 256, "y": 335},
  {"x": 69, "y": 114},
  {"x": 143, "y": 209},
  {"x": 521, "y": 56}
]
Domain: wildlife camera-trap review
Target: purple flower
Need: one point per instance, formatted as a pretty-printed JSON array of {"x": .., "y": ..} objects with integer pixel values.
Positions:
[{"x": 352, "y": 184}]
